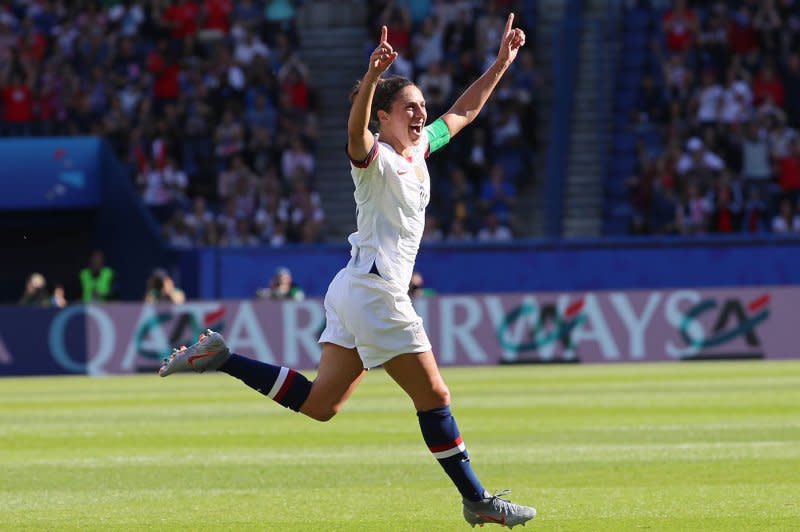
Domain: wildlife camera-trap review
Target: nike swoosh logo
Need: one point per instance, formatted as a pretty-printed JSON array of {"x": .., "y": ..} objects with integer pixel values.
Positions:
[
  {"x": 402, "y": 172},
  {"x": 501, "y": 521},
  {"x": 192, "y": 358}
]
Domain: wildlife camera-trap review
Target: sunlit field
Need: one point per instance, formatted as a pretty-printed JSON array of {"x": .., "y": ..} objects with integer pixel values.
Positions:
[{"x": 684, "y": 446}]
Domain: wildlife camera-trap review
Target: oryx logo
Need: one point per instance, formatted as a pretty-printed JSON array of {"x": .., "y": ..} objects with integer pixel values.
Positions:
[
  {"x": 547, "y": 325},
  {"x": 746, "y": 318},
  {"x": 185, "y": 331}
]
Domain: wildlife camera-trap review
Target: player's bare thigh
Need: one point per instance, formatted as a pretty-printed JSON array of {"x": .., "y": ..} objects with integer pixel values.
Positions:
[
  {"x": 340, "y": 370},
  {"x": 418, "y": 374}
]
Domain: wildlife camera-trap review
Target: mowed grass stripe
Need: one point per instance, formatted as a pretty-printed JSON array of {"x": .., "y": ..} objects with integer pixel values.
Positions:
[{"x": 700, "y": 446}]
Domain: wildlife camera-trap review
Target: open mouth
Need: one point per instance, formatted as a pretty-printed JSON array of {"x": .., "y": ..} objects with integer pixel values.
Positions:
[{"x": 416, "y": 130}]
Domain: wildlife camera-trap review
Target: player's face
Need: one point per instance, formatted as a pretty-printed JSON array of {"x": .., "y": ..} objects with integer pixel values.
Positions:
[{"x": 407, "y": 117}]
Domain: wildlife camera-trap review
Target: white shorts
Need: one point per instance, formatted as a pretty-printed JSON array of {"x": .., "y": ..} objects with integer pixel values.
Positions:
[{"x": 366, "y": 312}]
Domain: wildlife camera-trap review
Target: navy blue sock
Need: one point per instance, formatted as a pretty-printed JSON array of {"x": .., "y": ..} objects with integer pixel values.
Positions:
[
  {"x": 283, "y": 385},
  {"x": 444, "y": 440}
]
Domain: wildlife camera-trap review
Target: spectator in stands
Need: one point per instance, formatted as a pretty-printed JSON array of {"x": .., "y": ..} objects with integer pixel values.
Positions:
[
  {"x": 161, "y": 289},
  {"x": 458, "y": 232},
  {"x": 281, "y": 286},
  {"x": 229, "y": 138},
  {"x": 786, "y": 221},
  {"x": 767, "y": 84},
  {"x": 403, "y": 65},
  {"x": 249, "y": 47},
  {"x": 455, "y": 198},
  {"x": 725, "y": 215},
  {"x": 427, "y": 44},
  {"x": 398, "y": 19},
  {"x": 58, "y": 299},
  {"x": 35, "y": 293},
  {"x": 97, "y": 280},
  {"x": 789, "y": 173},
  {"x": 226, "y": 220},
  {"x": 436, "y": 78},
  {"x": 680, "y": 27},
  {"x": 477, "y": 157},
  {"x": 698, "y": 159},
  {"x": 756, "y": 167},
  {"x": 230, "y": 179},
  {"x": 662, "y": 219},
  {"x": 162, "y": 64},
  {"x": 17, "y": 98},
  {"x": 742, "y": 35},
  {"x": 304, "y": 212},
  {"x": 297, "y": 160},
  {"x": 678, "y": 77},
  {"x": 459, "y": 33},
  {"x": 417, "y": 288},
  {"x": 270, "y": 220},
  {"x": 263, "y": 114},
  {"x": 781, "y": 137},
  {"x": 691, "y": 216},
  {"x": 713, "y": 42},
  {"x": 199, "y": 219},
  {"x": 242, "y": 235},
  {"x": 708, "y": 100},
  {"x": 492, "y": 230},
  {"x": 216, "y": 19},
  {"x": 736, "y": 98},
  {"x": 791, "y": 82},
  {"x": 767, "y": 22},
  {"x": 177, "y": 232},
  {"x": 498, "y": 195},
  {"x": 261, "y": 150},
  {"x": 754, "y": 216},
  {"x": 293, "y": 77},
  {"x": 433, "y": 230}
]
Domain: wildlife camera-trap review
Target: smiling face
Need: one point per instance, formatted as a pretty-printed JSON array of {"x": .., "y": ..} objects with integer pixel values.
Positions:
[{"x": 402, "y": 125}]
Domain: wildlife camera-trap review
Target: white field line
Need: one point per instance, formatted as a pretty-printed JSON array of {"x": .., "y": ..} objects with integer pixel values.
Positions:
[{"x": 413, "y": 454}]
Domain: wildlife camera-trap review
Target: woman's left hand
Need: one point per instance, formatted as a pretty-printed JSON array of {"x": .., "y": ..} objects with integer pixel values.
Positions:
[{"x": 513, "y": 40}]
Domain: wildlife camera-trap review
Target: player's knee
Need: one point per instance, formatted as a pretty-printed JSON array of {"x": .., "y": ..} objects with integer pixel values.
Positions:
[
  {"x": 441, "y": 395},
  {"x": 437, "y": 397}
]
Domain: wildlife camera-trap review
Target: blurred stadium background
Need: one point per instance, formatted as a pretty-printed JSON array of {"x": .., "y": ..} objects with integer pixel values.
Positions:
[{"x": 630, "y": 193}]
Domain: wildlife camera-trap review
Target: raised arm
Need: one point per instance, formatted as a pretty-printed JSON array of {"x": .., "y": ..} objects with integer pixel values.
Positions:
[
  {"x": 469, "y": 104},
  {"x": 359, "y": 137}
]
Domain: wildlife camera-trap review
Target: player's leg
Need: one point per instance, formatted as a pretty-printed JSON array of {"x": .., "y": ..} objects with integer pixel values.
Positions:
[
  {"x": 340, "y": 370},
  {"x": 339, "y": 373},
  {"x": 418, "y": 374}
]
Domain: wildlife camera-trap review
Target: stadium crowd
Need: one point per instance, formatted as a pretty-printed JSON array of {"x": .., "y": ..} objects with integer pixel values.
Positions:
[
  {"x": 716, "y": 117},
  {"x": 206, "y": 101},
  {"x": 210, "y": 105}
]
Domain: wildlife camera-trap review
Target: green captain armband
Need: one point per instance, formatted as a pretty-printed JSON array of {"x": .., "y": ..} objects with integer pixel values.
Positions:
[{"x": 438, "y": 135}]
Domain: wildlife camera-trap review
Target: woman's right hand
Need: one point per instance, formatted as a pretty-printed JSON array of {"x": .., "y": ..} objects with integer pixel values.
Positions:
[{"x": 383, "y": 56}]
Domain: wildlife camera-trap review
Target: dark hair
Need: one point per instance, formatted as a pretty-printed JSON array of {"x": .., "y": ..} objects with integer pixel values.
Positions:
[{"x": 385, "y": 92}]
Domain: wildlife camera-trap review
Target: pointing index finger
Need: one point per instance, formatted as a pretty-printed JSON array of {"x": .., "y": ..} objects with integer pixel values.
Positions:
[
  {"x": 509, "y": 23},
  {"x": 384, "y": 34}
]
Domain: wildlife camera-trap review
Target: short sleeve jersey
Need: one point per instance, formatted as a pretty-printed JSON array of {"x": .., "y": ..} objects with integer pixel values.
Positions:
[{"x": 392, "y": 192}]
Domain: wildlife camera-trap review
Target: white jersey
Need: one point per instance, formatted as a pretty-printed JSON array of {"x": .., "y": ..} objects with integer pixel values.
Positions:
[{"x": 392, "y": 192}]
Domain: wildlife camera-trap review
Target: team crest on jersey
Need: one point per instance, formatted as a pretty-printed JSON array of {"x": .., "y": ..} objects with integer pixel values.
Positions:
[{"x": 420, "y": 173}]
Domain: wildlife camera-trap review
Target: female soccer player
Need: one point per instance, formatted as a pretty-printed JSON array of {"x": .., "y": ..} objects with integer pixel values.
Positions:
[{"x": 370, "y": 319}]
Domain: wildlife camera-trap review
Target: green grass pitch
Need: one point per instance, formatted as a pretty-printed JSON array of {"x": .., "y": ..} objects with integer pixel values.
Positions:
[{"x": 684, "y": 446}]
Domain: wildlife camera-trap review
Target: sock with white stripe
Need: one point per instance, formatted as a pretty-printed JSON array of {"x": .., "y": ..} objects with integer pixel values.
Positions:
[
  {"x": 285, "y": 386},
  {"x": 444, "y": 441}
]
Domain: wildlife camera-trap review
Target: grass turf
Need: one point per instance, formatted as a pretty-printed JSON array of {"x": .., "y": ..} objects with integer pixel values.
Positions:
[{"x": 685, "y": 446}]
